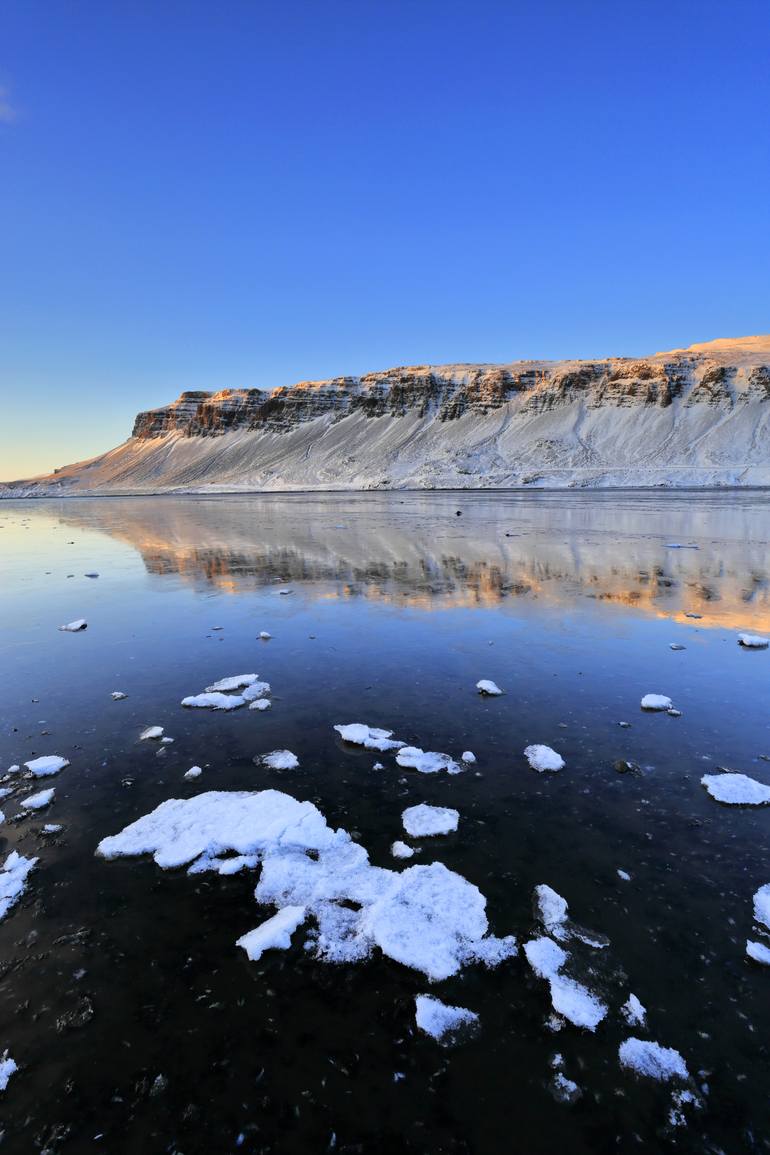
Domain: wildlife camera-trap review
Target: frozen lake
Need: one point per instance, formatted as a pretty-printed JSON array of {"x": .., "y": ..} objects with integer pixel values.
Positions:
[{"x": 136, "y": 1022}]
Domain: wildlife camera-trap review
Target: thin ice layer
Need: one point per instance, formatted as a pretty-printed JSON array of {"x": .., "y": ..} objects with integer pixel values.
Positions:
[{"x": 736, "y": 789}]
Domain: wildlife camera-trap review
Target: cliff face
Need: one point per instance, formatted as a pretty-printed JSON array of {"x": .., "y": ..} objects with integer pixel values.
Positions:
[{"x": 692, "y": 416}]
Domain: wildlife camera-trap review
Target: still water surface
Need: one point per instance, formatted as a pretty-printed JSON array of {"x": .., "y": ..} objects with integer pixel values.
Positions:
[{"x": 116, "y": 973}]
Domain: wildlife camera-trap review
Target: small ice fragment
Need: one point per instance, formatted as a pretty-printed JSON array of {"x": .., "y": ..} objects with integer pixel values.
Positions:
[
  {"x": 73, "y": 627},
  {"x": 372, "y": 738},
  {"x": 676, "y": 646},
  {"x": 552, "y": 910},
  {"x": 758, "y": 952},
  {"x": 672, "y": 713},
  {"x": 46, "y": 765},
  {"x": 762, "y": 905},
  {"x": 545, "y": 957},
  {"x": 633, "y": 1012},
  {"x": 439, "y": 1019},
  {"x": 7, "y": 1068},
  {"x": 260, "y": 704},
  {"x": 214, "y": 701},
  {"x": 624, "y": 875},
  {"x": 52, "y": 828},
  {"x": 652, "y": 1060},
  {"x": 543, "y": 758},
  {"x": 401, "y": 850},
  {"x": 274, "y": 934},
  {"x": 281, "y": 760},
  {"x": 468, "y": 756},
  {"x": 753, "y": 642},
  {"x": 569, "y": 998},
  {"x": 13, "y": 769},
  {"x": 13, "y": 878},
  {"x": 656, "y": 702},
  {"x": 488, "y": 688},
  {"x": 166, "y": 741},
  {"x": 236, "y": 682},
  {"x": 736, "y": 789},
  {"x": 256, "y": 691},
  {"x": 284, "y": 592},
  {"x": 423, "y": 820},
  {"x": 378, "y": 766},
  {"x": 426, "y": 762},
  {"x": 38, "y": 801},
  {"x": 118, "y": 695},
  {"x": 193, "y": 772},
  {"x": 91, "y": 575},
  {"x": 151, "y": 732},
  {"x": 265, "y": 636},
  {"x": 564, "y": 1090}
]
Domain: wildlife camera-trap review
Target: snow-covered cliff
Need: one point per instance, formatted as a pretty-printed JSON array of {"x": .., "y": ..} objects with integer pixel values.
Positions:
[{"x": 697, "y": 416}]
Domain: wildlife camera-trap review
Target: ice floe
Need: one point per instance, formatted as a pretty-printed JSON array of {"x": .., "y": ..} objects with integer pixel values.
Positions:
[
  {"x": 74, "y": 627},
  {"x": 762, "y": 905},
  {"x": 260, "y": 704},
  {"x": 736, "y": 789},
  {"x": 214, "y": 700},
  {"x": 118, "y": 695},
  {"x": 633, "y": 1012},
  {"x": 569, "y": 998},
  {"x": 274, "y": 934},
  {"x": 265, "y": 636},
  {"x": 423, "y": 820},
  {"x": 758, "y": 951},
  {"x": 551, "y": 910},
  {"x": 542, "y": 758},
  {"x": 193, "y": 772},
  {"x": 624, "y": 875},
  {"x": 7, "y": 1068},
  {"x": 468, "y": 756},
  {"x": 45, "y": 765},
  {"x": 401, "y": 850},
  {"x": 38, "y": 801},
  {"x": 753, "y": 642},
  {"x": 440, "y": 1020},
  {"x": 13, "y": 879},
  {"x": 235, "y": 682},
  {"x": 372, "y": 738},
  {"x": 425, "y": 917},
  {"x": 281, "y": 760},
  {"x": 52, "y": 828},
  {"x": 426, "y": 762},
  {"x": 652, "y": 1060},
  {"x": 256, "y": 692},
  {"x": 656, "y": 702},
  {"x": 488, "y": 688},
  {"x": 151, "y": 732}
]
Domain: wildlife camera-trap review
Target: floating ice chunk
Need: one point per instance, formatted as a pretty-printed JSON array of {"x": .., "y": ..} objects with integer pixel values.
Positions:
[
  {"x": 214, "y": 701},
  {"x": 569, "y": 998},
  {"x": 543, "y": 758},
  {"x": 758, "y": 952},
  {"x": 633, "y": 1012},
  {"x": 753, "y": 642},
  {"x": 166, "y": 741},
  {"x": 281, "y": 760},
  {"x": 552, "y": 910},
  {"x": 151, "y": 732},
  {"x": 274, "y": 934},
  {"x": 13, "y": 879},
  {"x": 13, "y": 769},
  {"x": 118, "y": 695},
  {"x": 52, "y": 828},
  {"x": 371, "y": 737},
  {"x": 736, "y": 789},
  {"x": 260, "y": 704},
  {"x": 428, "y": 762},
  {"x": 656, "y": 702},
  {"x": 256, "y": 691},
  {"x": 676, "y": 646},
  {"x": 285, "y": 592},
  {"x": 236, "y": 682},
  {"x": 378, "y": 766},
  {"x": 38, "y": 801},
  {"x": 652, "y": 1060},
  {"x": 46, "y": 765},
  {"x": 440, "y": 1020},
  {"x": 624, "y": 875},
  {"x": 265, "y": 636},
  {"x": 193, "y": 772},
  {"x": 488, "y": 688},
  {"x": 401, "y": 850},
  {"x": 468, "y": 756},
  {"x": 762, "y": 905},
  {"x": 564, "y": 1090},
  {"x": 73, "y": 627},
  {"x": 91, "y": 575},
  {"x": 423, "y": 820},
  {"x": 7, "y": 1068}
]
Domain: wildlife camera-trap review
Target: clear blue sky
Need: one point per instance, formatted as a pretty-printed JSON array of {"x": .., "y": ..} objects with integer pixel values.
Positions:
[{"x": 200, "y": 195}]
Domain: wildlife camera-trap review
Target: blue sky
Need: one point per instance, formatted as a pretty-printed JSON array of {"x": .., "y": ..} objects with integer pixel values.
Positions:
[{"x": 207, "y": 195}]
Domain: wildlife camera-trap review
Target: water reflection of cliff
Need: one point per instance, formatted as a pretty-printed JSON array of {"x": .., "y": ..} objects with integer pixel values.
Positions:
[{"x": 413, "y": 550}]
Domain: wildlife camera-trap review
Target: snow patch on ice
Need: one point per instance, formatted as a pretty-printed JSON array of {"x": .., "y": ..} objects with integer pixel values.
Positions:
[
  {"x": 370, "y": 737},
  {"x": 652, "y": 1060},
  {"x": 38, "y": 801},
  {"x": 214, "y": 701},
  {"x": 423, "y": 820},
  {"x": 656, "y": 702},
  {"x": 488, "y": 688},
  {"x": 426, "y": 762},
  {"x": 274, "y": 934},
  {"x": 235, "y": 682},
  {"x": 13, "y": 879},
  {"x": 569, "y": 998},
  {"x": 736, "y": 789},
  {"x": 401, "y": 850},
  {"x": 47, "y": 764},
  {"x": 542, "y": 758},
  {"x": 440, "y": 1020},
  {"x": 633, "y": 1012},
  {"x": 281, "y": 760}
]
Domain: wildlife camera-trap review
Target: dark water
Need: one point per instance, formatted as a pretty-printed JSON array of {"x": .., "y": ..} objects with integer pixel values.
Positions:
[{"x": 116, "y": 973}]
